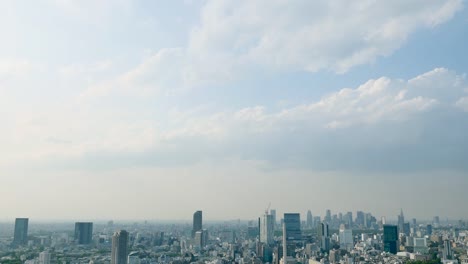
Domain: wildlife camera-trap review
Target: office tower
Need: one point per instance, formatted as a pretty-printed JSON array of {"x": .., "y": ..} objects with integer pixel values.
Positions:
[
  {"x": 349, "y": 219},
  {"x": 292, "y": 221},
  {"x": 328, "y": 216},
  {"x": 447, "y": 254},
  {"x": 197, "y": 222},
  {"x": 346, "y": 238},
  {"x": 413, "y": 222},
  {"x": 119, "y": 254},
  {"x": 21, "y": 231},
  {"x": 390, "y": 238},
  {"x": 267, "y": 229},
  {"x": 383, "y": 220},
  {"x": 201, "y": 238},
  {"x": 406, "y": 229},
  {"x": 44, "y": 257},
  {"x": 323, "y": 235},
  {"x": 310, "y": 219},
  {"x": 429, "y": 230},
  {"x": 273, "y": 214},
  {"x": 436, "y": 222},
  {"x": 83, "y": 233},
  {"x": 360, "y": 218},
  {"x": 401, "y": 221}
]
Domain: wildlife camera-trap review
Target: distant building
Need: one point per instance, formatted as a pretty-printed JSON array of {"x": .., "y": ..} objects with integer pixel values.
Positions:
[
  {"x": 292, "y": 222},
  {"x": 406, "y": 229},
  {"x": 21, "y": 231},
  {"x": 44, "y": 257},
  {"x": 201, "y": 238},
  {"x": 83, "y": 233},
  {"x": 436, "y": 222},
  {"x": 273, "y": 214},
  {"x": 447, "y": 253},
  {"x": 197, "y": 222},
  {"x": 328, "y": 217},
  {"x": 119, "y": 253},
  {"x": 360, "y": 218},
  {"x": 310, "y": 220},
  {"x": 323, "y": 235},
  {"x": 267, "y": 229},
  {"x": 346, "y": 239},
  {"x": 401, "y": 221},
  {"x": 390, "y": 238},
  {"x": 429, "y": 230}
]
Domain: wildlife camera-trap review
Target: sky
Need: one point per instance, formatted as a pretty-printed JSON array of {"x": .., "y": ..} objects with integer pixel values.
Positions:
[{"x": 126, "y": 109}]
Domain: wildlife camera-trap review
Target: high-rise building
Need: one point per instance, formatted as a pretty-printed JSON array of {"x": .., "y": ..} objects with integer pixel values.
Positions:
[
  {"x": 390, "y": 238},
  {"x": 119, "y": 253},
  {"x": 401, "y": 221},
  {"x": 349, "y": 219},
  {"x": 201, "y": 238},
  {"x": 323, "y": 235},
  {"x": 44, "y": 257},
  {"x": 273, "y": 214},
  {"x": 429, "y": 230},
  {"x": 447, "y": 253},
  {"x": 197, "y": 222},
  {"x": 346, "y": 238},
  {"x": 436, "y": 222},
  {"x": 21, "y": 231},
  {"x": 83, "y": 233},
  {"x": 360, "y": 218},
  {"x": 292, "y": 222},
  {"x": 328, "y": 217},
  {"x": 310, "y": 219},
  {"x": 406, "y": 229},
  {"x": 267, "y": 229}
]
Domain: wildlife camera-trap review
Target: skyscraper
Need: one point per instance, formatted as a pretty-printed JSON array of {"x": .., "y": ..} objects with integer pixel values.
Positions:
[
  {"x": 266, "y": 229},
  {"x": 390, "y": 238},
  {"x": 273, "y": 214},
  {"x": 401, "y": 221},
  {"x": 119, "y": 254},
  {"x": 83, "y": 233},
  {"x": 310, "y": 219},
  {"x": 323, "y": 235},
  {"x": 292, "y": 221},
  {"x": 201, "y": 238},
  {"x": 197, "y": 222},
  {"x": 360, "y": 218},
  {"x": 21, "y": 231},
  {"x": 328, "y": 217},
  {"x": 429, "y": 230},
  {"x": 447, "y": 253},
  {"x": 346, "y": 238}
]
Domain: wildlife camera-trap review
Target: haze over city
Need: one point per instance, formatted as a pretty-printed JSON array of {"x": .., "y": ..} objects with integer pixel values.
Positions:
[{"x": 155, "y": 109}]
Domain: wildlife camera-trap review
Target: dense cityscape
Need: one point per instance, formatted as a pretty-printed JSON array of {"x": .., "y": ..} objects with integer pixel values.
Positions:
[{"x": 335, "y": 238}]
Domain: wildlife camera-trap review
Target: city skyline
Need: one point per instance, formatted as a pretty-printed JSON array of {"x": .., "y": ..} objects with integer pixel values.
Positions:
[{"x": 168, "y": 107}]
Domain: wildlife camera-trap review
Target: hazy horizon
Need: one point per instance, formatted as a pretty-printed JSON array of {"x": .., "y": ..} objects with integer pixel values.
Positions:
[{"x": 154, "y": 109}]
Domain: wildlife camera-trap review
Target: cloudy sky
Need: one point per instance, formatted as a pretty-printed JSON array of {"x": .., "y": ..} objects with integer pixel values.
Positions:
[{"x": 120, "y": 109}]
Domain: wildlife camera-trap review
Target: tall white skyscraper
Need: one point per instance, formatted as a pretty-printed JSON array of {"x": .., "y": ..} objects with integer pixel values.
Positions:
[{"x": 267, "y": 229}]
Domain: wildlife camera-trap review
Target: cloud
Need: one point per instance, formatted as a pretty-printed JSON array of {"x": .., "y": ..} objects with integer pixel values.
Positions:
[
  {"x": 383, "y": 124},
  {"x": 235, "y": 39},
  {"x": 309, "y": 35}
]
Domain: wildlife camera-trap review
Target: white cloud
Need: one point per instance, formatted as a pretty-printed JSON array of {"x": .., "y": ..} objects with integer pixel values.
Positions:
[
  {"x": 391, "y": 112},
  {"x": 238, "y": 38},
  {"x": 309, "y": 35}
]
